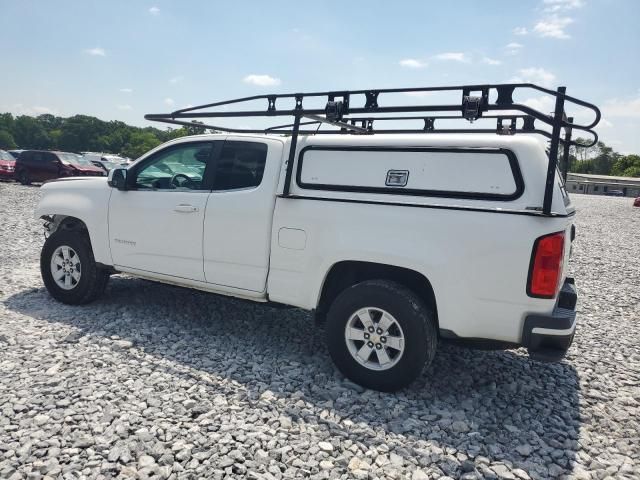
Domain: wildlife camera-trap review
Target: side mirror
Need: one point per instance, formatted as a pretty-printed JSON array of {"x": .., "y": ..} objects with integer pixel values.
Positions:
[{"x": 118, "y": 178}]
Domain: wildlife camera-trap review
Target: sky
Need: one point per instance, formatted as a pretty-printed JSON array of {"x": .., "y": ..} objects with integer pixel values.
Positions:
[{"x": 121, "y": 59}]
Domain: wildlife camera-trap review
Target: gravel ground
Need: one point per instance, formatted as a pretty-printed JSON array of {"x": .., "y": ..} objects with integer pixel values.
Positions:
[{"x": 154, "y": 381}]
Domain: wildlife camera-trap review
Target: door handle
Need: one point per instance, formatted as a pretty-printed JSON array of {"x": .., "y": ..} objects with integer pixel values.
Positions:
[{"x": 184, "y": 208}]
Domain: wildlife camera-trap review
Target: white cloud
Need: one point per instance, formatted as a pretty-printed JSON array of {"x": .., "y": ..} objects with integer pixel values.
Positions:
[
  {"x": 627, "y": 108},
  {"x": 513, "y": 48},
  {"x": 553, "y": 27},
  {"x": 42, "y": 110},
  {"x": 126, "y": 90},
  {"x": 542, "y": 104},
  {"x": 539, "y": 76},
  {"x": 154, "y": 10},
  {"x": 491, "y": 61},
  {"x": 455, "y": 56},
  {"x": 124, "y": 107},
  {"x": 412, "y": 63},
  {"x": 261, "y": 80},
  {"x": 175, "y": 80},
  {"x": 169, "y": 101},
  {"x": 558, "y": 5},
  {"x": 32, "y": 111},
  {"x": 97, "y": 51},
  {"x": 520, "y": 31}
]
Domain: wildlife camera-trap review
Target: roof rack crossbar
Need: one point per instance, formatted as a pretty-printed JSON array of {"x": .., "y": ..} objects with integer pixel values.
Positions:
[
  {"x": 280, "y": 130},
  {"x": 347, "y": 126},
  {"x": 429, "y": 126}
]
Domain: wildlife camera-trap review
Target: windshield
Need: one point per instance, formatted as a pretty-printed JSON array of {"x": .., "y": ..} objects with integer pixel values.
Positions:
[
  {"x": 74, "y": 159},
  {"x": 109, "y": 165},
  {"x": 6, "y": 156}
]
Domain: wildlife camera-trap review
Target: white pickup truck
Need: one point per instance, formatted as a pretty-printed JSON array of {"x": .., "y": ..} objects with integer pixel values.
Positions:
[{"x": 395, "y": 240}]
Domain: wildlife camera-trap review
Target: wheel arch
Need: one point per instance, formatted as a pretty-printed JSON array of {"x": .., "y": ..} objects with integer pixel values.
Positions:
[
  {"x": 344, "y": 274},
  {"x": 65, "y": 222}
]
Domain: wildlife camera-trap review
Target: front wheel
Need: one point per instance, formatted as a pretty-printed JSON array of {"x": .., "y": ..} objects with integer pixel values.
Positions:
[
  {"x": 23, "y": 178},
  {"x": 69, "y": 270},
  {"x": 381, "y": 335}
]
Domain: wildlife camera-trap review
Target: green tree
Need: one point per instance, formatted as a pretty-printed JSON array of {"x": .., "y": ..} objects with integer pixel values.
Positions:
[
  {"x": 82, "y": 133},
  {"x": 28, "y": 133},
  {"x": 50, "y": 122},
  {"x": 597, "y": 159},
  {"x": 7, "y": 122},
  {"x": 54, "y": 136},
  {"x": 6, "y": 140},
  {"x": 140, "y": 143},
  {"x": 628, "y": 166}
]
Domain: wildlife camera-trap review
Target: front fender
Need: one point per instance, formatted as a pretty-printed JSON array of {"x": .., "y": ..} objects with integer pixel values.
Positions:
[{"x": 86, "y": 199}]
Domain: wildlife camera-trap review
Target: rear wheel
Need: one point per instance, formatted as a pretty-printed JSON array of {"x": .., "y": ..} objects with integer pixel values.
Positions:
[
  {"x": 381, "y": 335},
  {"x": 69, "y": 270}
]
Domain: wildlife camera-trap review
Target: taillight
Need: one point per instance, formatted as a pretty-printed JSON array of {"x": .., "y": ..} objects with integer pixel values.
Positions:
[{"x": 545, "y": 270}]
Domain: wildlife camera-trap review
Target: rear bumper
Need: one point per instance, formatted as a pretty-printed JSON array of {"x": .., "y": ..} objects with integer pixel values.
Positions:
[{"x": 548, "y": 337}]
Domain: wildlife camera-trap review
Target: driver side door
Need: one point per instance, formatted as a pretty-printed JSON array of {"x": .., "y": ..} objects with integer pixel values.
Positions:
[{"x": 156, "y": 224}]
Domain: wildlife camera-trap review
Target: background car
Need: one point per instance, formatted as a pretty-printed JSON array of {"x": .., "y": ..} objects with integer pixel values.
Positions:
[
  {"x": 105, "y": 157},
  {"x": 7, "y": 165},
  {"x": 39, "y": 166},
  {"x": 105, "y": 165},
  {"x": 15, "y": 153}
]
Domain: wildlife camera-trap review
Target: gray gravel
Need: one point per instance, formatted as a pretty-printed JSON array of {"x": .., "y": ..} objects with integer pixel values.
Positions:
[{"x": 154, "y": 381}]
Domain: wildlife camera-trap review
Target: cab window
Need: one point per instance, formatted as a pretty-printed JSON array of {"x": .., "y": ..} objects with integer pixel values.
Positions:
[
  {"x": 181, "y": 167},
  {"x": 240, "y": 165}
]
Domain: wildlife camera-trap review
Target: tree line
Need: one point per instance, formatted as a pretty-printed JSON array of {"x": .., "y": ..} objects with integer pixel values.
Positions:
[
  {"x": 601, "y": 159},
  {"x": 82, "y": 133}
]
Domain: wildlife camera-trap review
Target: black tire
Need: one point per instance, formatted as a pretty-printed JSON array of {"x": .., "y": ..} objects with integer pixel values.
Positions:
[
  {"x": 415, "y": 318},
  {"x": 23, "y": 178},
  {"x": 93, "y": 280}
]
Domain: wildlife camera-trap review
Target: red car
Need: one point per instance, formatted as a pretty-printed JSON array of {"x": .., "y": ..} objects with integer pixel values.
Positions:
[
  {"x": 7, "y": 165},
  {"x": 40, "y": 165},
  {"x": 636, "y": 202}
]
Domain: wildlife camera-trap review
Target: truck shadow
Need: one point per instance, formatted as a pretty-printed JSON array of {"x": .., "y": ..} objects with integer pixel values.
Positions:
[{"x": 497, "y": 405}]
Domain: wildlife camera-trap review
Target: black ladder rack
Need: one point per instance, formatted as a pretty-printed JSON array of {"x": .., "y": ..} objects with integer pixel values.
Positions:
[{"x": 354, "y": 112}]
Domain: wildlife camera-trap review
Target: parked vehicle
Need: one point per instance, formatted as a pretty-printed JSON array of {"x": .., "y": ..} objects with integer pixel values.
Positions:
[
  {"x": 105, "y": 165},
  {"x": 15, "y": 153},
  {"x": 105, "y": 161},
  {"x": 7, "y": 165},
  {"x": 41, "y": 165},
  {"x": 615, "y": 193},
  {"x": 396, "y": 239}
]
